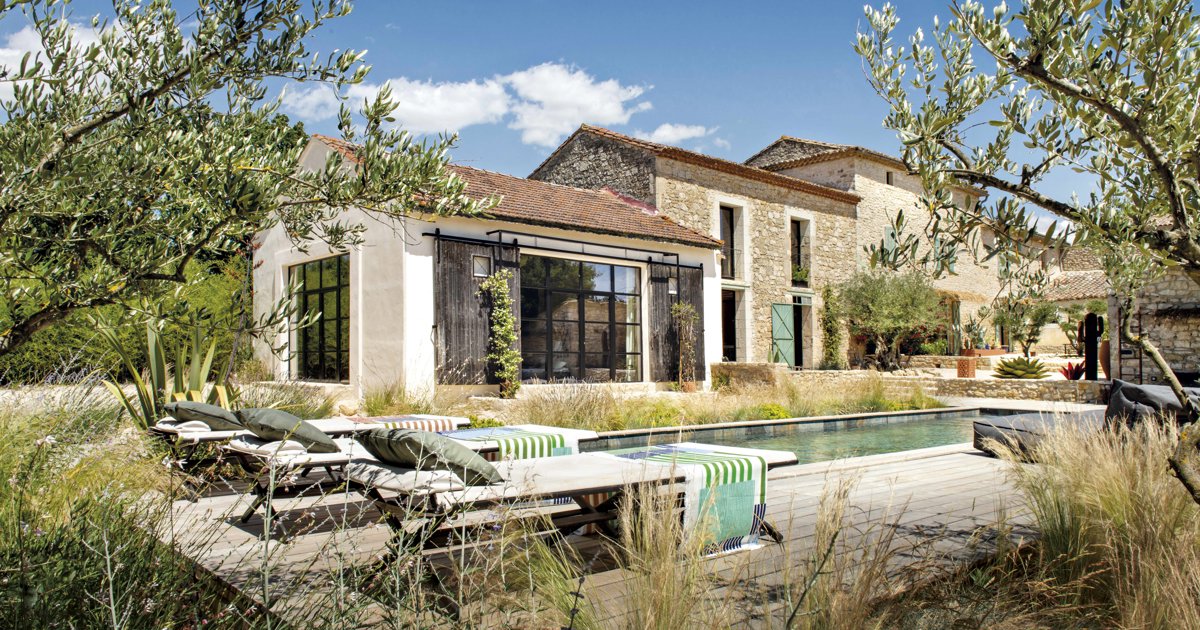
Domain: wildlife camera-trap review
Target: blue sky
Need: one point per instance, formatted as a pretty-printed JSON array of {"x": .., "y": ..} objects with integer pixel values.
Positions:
[{"x": 515, "y": 78}]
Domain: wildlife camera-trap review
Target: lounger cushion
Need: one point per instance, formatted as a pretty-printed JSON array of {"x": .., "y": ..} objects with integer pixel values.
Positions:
[
  {"x": 216, "y": 418},
  {"x": 1133, "y": 402},
  {"x": 276, "y": 424},
  {"x": 403, "y": 480},
  {"x": 420, "y": 450}
]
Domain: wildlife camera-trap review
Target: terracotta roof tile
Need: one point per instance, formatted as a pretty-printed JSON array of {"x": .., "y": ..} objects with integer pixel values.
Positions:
[
  {"x": 1078, "y": 285},
  {"x": 708, "y": 161},
  {"x": 553, "y": 205}
]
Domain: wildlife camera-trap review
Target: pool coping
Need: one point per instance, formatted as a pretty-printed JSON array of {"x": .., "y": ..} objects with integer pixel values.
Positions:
[{"x": 742, "y": 424}]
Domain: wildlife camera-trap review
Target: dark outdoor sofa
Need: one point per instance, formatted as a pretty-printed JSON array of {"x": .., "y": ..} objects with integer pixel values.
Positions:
[
  {"x": 1127, "y": 402},
  {"x": 1023, "y": 431}
]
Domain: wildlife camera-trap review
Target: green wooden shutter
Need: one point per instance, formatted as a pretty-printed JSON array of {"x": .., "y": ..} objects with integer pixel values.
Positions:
[{"x": 783, "y": 335}]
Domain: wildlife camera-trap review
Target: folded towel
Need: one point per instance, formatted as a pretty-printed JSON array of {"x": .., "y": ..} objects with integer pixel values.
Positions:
[
  {"x": 183, "y": 426},
  {"x": 523, "y": 441}
]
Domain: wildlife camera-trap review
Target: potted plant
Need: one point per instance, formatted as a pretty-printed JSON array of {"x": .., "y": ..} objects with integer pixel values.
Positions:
[
  {"x": 799, "y": 274},
  {"x": 684, "y": 316}
]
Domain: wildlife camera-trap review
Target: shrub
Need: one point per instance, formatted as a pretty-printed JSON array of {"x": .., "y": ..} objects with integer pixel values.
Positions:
[
  {"x": 888, "y": 308},
  {"x": 832, "y": 332},
  {"x": 771, "y": 411},
  {"x": 935, "y": 347},
  {"x": 1021, "y": 367}
]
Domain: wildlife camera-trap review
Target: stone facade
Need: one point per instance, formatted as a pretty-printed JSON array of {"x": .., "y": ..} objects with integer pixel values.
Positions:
[
  {"x": 692, "y": 195},
  {"x": 589, "y": 161},
  {"x": 1168, "y": 312},
  {"x": 974, "y": 284}
]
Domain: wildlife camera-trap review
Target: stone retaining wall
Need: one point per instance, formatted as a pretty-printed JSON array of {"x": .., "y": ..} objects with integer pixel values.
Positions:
[
  {"x": 945, "y": 361},
  {"x": 1094, "y": 392}
]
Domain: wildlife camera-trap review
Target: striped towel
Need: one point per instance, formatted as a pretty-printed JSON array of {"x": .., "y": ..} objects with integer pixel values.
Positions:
[
  {"x": 727, "y": 492},
  {"x": 432, "y": 424},
  {"x": 521, "y": 442}
]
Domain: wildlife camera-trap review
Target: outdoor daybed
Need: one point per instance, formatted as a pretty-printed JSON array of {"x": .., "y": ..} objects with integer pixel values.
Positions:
[
  {"x": 586, "y": 489},
  {"x": 282, "y": 467},
  {"x": 1023, "y": 431}
]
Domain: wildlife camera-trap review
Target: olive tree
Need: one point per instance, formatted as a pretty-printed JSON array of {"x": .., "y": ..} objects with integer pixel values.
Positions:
[
  {"x": 1002, "y": 97},
  {"x": 888, "y": 308},
  {"x": 151, "y": 143}
]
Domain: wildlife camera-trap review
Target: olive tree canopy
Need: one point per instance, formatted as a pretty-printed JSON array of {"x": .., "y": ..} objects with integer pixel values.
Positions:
[
  {"x": 1003, "y": 96},
  {"x": 133, "y": 145}
]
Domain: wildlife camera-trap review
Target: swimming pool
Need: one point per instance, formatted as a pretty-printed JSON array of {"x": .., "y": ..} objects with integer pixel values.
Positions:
[
  {"x": 818, "y": 439},
  {"x": 837, "y": 440}
]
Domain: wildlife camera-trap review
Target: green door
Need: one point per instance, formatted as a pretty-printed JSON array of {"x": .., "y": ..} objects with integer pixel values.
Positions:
[{"x": 783, "y": 334}]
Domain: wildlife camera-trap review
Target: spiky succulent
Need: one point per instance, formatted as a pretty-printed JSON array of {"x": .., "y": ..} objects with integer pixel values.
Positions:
[{"x": 1021, "y": 367}]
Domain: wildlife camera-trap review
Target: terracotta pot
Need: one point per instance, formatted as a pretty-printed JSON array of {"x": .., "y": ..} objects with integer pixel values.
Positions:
[{"x": 1104, "y": 359}]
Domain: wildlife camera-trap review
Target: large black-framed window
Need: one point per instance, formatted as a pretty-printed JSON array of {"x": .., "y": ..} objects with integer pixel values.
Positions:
[
  {"x": 323, "y": 348},
  {"x": 580, "y": 321}
]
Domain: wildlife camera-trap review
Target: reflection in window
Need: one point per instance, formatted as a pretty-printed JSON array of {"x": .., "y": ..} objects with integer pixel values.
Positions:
[{"x": 580, "y": 321}]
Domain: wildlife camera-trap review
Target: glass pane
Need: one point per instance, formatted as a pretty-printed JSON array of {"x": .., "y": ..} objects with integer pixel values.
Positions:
[
  {"x": 533, "y": 271},
  {"x": 533, "y": 335},
  {"x": 329, "y": 369},
  {"x": 344, "y": 303},
  {"x": 329, "y": 305},
  {"x": 533, "y": 366},
  {"x": 329, "y": 272},
  {"x": 564, "y": 306},
  {"x": 628, "y": 338},
  {"x": 595, "y": 308},
  {"x": 626, "y": 280},
  {"x": 564, "y": 367},
  {"x": 344, "y": 365},
  {"x": 344, "y": 271},
  {"x": 533, "y": 303},
  {"x": 597, "y": 277},
  {"x": 565, "y": 337},
  {"x": 343, "y": 335},
  {"x": 628, "y": 309},
  {"x": 563, "y": 274},
  {"x": 596, "y": 338},
  {"x": 629, "y": 368},
  {"x": 312, "y": 276}
]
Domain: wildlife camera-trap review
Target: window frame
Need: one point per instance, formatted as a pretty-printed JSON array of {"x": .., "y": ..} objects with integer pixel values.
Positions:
[{"x": 298, "y": 274}]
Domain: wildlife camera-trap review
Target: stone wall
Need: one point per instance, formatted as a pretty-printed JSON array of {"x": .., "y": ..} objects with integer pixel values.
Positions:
[
  {"x": 1168, "y": 312},
  {"x": 748, "y": 373},
  {"x": 975, "y": 285},
  {"x": 945, "y": 361},
  {"x": 692, "y": 195},
  {"x": 589, "y": 161},
  {"x": 1092, "y": 392}
]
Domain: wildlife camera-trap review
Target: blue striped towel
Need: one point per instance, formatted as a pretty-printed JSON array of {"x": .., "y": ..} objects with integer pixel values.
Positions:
[{"x": 727, "y": 492}]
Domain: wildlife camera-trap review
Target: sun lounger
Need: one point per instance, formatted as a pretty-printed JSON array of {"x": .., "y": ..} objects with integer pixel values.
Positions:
[
  {"x": 404, "y": 497},
  {"x": 185, "y": 438},
  {"x": 522, "y": 441}
]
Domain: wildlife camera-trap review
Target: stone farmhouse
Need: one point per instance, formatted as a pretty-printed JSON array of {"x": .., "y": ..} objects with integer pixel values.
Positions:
[{"x": 792, "y": 219}]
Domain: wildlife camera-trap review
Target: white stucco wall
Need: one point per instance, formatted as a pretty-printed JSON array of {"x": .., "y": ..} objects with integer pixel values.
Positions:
[{"x": 392, "y": 289}]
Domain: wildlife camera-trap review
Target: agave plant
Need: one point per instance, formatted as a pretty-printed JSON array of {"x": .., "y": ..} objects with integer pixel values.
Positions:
[
  {"x": 154, "y": 388},
  {"x": 1072, "y": 371},
  {"x": 1021, "y": 367}
]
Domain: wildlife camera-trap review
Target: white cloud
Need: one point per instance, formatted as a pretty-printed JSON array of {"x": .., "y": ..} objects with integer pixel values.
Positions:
[
  {"x": 28, "y": 40},
  {"x": 669, "y": 133},
  {"x": 544, "y": 102},
  {"x": 722, "y": 143},
  {"x": 553, "y": 99},
  {"x": 427, "y": 107}
]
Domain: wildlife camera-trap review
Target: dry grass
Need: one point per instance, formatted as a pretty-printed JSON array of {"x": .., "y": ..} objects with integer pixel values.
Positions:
[
  {"x": 598, "y": 408},
  {"x": 1119, "y": 535}
]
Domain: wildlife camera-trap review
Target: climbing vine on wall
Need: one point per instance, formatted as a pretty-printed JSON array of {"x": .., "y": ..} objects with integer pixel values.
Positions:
[
  {"x": 832, "y": 332},
  {"x": 504, "y": 361}
]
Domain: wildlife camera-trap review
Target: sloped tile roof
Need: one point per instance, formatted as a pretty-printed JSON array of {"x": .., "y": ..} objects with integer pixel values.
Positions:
[
  {"x": 788, "y": 152},
  {"x": 1078, "y": 285},
  {"x": 708, "y": 161},
  {"x": 540, "y": 203}
]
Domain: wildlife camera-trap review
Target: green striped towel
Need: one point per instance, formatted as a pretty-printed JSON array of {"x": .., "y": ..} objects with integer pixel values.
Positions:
[
  {"x": 520, "y": 443},
  {"x": 725, "y": 491}
]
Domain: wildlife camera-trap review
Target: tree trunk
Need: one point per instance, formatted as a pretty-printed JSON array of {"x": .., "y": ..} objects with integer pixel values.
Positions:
[{"x": 1185, "y": 460}]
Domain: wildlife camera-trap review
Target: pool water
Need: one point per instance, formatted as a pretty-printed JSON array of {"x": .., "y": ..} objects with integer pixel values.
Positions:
[{"x": 836, "y": 440}]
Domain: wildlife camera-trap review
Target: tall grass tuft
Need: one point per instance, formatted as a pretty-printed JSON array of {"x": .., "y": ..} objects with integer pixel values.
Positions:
[
  {"x": 394, "y": 399},
  {"x": 1115, "y": 526},
  {"x": 299, "y": 399}
]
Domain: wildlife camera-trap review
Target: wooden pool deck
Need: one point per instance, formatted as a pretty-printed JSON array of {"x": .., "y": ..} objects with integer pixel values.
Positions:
[{"x": 942, "y": 501}]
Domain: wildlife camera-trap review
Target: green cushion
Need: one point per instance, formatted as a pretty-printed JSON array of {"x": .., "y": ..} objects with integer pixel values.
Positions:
[
  {"x": 422, "y": 450},
  {"x": 276, "y": 424},
  {"x": 216, "y": 418}
]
